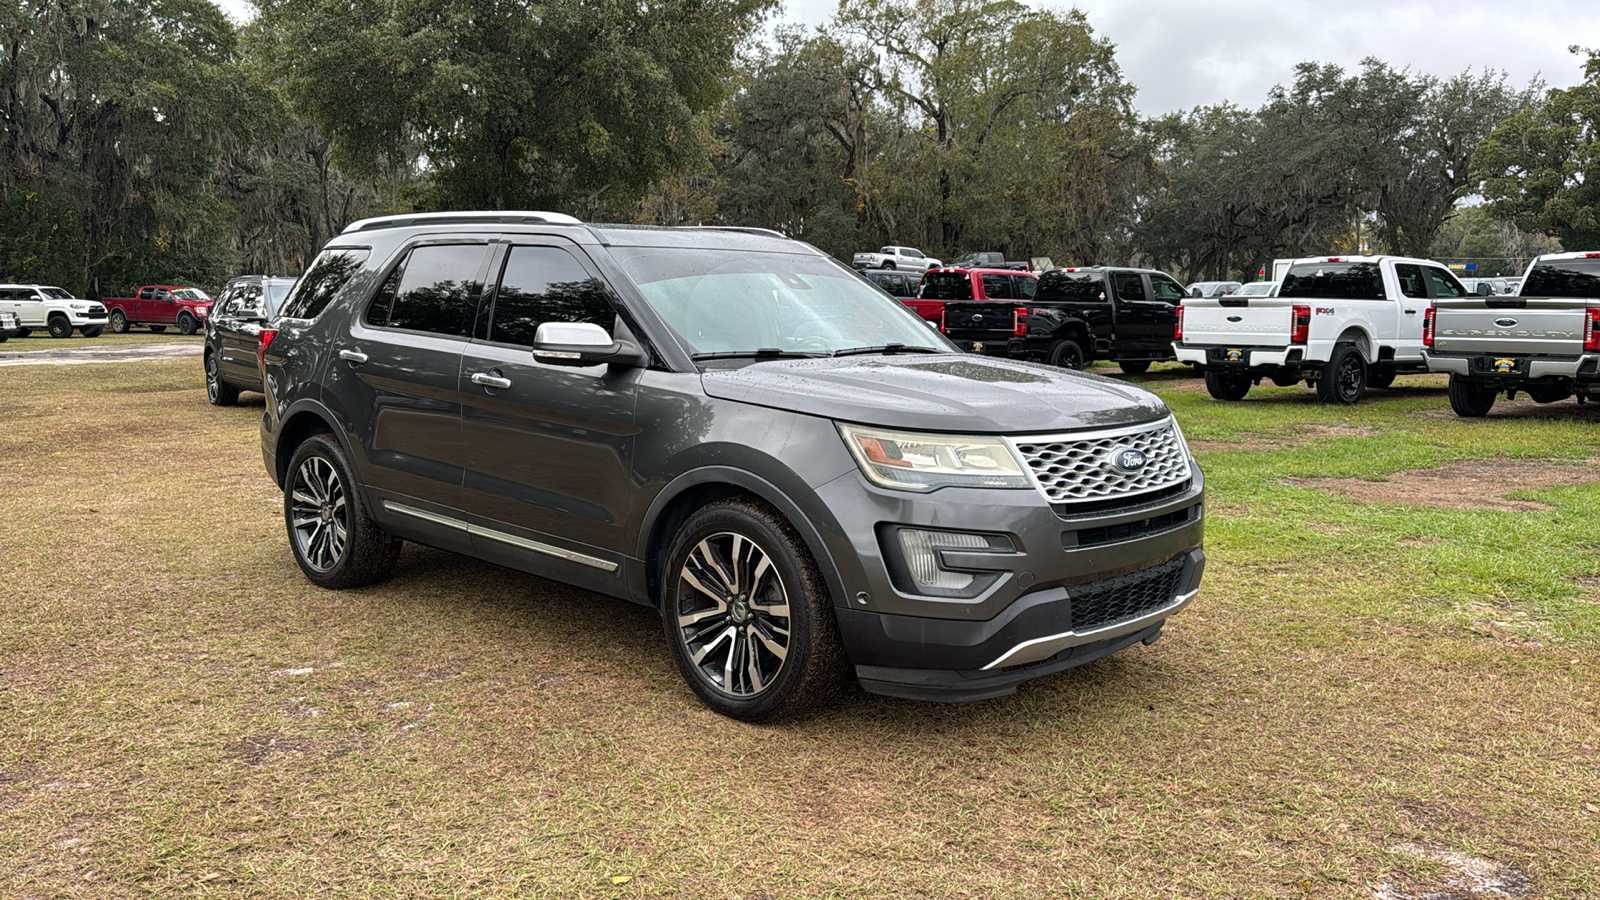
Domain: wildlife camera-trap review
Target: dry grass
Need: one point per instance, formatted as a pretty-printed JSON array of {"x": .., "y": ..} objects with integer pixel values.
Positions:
[
  {"x": 181, "y": 714},
  {"x": 41, "y": 340}
]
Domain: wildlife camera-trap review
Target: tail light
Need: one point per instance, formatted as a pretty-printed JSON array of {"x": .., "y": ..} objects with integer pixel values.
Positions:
[
  {"x": 1427, "y": 325},
  {"x": 1177, "y": 328},
  {"x": 1299, "y": 324},
  {"x": 267, "y": 334},
  {"x": 1019, "y": 321},
  {"x": 1591, "y": 330}
]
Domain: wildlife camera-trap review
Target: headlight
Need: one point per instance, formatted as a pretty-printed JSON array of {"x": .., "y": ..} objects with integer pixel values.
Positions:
[
  {"x": 924, "y": 462},
  {"x": 199, "y": 310},
  {"x": 80, "y": 307}
]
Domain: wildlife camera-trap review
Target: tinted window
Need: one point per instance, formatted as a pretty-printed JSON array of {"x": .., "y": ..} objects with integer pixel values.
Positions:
[
  {"x": 997, "y": 287},
  {"x": 946, "y": 286},
  {"x": 1129, "y": 286},
  {"x": 328, "y": 275},
  {"x": 1563, "y": 278},
  {"x": 546, "y": 284},
  {"x": 1071, "y": 287},
  {"x": 1445, "y": 284},
  {"x": 437, "y": 283},
  {"x": 1026, "y": 287},
  {"x": 1334, "y": 281},
  {"x": 1410, "y": 277},
  {"x": 1166, "y": 289}
]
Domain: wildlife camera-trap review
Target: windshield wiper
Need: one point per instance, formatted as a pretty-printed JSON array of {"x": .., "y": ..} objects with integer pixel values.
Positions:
[
  {"x": 895, "y": 347},
  {"x": 763, "y": 353}
]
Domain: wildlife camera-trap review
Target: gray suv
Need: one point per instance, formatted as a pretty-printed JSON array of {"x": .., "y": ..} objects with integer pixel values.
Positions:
[{"x": 733, "y": 428}]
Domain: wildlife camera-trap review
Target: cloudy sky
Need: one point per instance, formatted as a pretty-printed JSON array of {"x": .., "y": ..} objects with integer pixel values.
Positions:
[{"x": 1186, "y": 53}]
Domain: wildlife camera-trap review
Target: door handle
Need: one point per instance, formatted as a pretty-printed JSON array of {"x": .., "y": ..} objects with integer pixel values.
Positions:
[
  {"x": 490, "y": 381},
  {"x": 355, "y": 356},
  {"x": 1411, "y": 312}
]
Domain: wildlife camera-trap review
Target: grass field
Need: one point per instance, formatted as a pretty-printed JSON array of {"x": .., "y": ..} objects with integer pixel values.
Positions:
[
  {"x": 1389, "y": 687},
  {"x": 41, "y": 340}
]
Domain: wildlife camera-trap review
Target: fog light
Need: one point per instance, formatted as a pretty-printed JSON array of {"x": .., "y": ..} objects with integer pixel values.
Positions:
[{"x": 921, "y": 551}]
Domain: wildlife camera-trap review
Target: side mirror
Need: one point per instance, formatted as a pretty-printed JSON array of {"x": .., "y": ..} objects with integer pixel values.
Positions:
[{"x": 582, "y": 344}]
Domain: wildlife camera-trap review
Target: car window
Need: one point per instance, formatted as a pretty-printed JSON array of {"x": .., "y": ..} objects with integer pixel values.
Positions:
[
  {"x": 1129, "y": 285},
  {"x": 328, "y": 275},
  {"x": 946, "y": 286},
  {"x": 1026, "y": 287},
  {"x": 1444, "y": 284},
  {"x": 1410, "y": 278},
  {"x": 913, "y": 252},
  {"x": 1058, "y": 285},
  {"x": 546, "y": 284},
  {"x": 1166, "y": 289},
  {"x": 997, "y": 287},
  {"x": 1563, "y": 278},
  {"x": 436, "y": 284},
  {"x": 1335, "y": 280}
]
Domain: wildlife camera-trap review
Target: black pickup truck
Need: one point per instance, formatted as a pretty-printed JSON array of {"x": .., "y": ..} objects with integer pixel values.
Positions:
[{"x": 1077, "y": 315}]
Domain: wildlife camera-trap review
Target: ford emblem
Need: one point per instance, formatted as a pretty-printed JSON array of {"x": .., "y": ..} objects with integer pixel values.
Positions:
[
  {"x": 1506, "y": 322},
  {"x": 1127, "y": 460},
  {"x": 978, "y": 317}
]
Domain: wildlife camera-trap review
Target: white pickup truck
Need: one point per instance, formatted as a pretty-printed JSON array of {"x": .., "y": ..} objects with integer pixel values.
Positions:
[
  {"x": 1339, "y": 323},
  {"x": 895, "y": 258},
  {"x": 1543, "y": 340}
]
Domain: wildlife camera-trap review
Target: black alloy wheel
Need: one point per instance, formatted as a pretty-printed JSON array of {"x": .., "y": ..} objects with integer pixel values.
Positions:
[
  {"x": 1344, "y": 377},
  {"x": 60, "y": 327},
  {"x": 1223, "y": 384},
  {"x": 186, "y": 324},
  {"x": 335, "y": 542},
  {"x": 748, "y": 615},
  {"x": 92, "y": 331},
  {"x": 1066, "y": 354},
  {"x": 219, "y": 392},
  {"x": 1135, "y": 367}
]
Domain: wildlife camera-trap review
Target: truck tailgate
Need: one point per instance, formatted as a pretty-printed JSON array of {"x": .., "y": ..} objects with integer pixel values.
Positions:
[
  {"x": 980, "y": 320},
  {"x": 1253, "y": 322},
  {"x": 1513, "y": 326}
]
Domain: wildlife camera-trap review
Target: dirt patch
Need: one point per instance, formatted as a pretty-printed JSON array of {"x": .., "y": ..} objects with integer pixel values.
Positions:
[
  {"x": 1475, "y": 484},
  {"x": 1527, "y": 409},
  {"x": 1303, "y": 434},
  {"x": 1471, "y": 876}
]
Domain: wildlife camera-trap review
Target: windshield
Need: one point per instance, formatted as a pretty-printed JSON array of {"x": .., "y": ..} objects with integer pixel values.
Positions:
[
  {"x": 1257, "y": 289},
  {"x": 189, "y": 294},
  {"x": 1564, "y": 278},
  {"x": 55, "y": 293},
  {"x": 736, "y": 301}
]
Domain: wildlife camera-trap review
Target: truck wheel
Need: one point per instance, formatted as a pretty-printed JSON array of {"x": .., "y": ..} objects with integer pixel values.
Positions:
[
  {"x": 186, "y": 324},
  {"x": 1344, "y": 377},
  {"x": 334, "y": 540},
  {"x": 1066, "y": 354},
  {"x": 1469, "y": 399},
  {"x": 219, "y": 392},
  {"x": 119, "y": 322},
  {"x": 747, "y": 614},
  {"x": 888, "y": 264},
  {"x": 1135, "y": 367},
  {"x": 24, "y": 332},
  {"x": 1227, "y": 385},
  {"x": 1380, "y": 377},
  {"x": 92, "y": 331},
  {"x": 157, "y": 329},
  {"x": 60, "y": 327},
  {"x": 1548, "y": 393}
]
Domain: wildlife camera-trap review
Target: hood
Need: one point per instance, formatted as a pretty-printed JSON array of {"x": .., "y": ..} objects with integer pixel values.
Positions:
[{"x": 970, "y": 394}]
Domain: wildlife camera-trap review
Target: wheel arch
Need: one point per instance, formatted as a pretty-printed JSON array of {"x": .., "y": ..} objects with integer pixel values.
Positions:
[
  {"x": 701, "y": 487},
  {"x": 1359, "y": 336},
  {"x": 301, "y": 421}
]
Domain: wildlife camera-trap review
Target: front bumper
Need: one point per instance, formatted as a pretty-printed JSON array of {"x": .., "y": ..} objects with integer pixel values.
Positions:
[
  {"x": 958, "y": 661},
  {"x": 1480, "y": 367}
]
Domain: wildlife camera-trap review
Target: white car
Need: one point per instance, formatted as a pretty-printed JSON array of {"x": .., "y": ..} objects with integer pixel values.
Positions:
[
  {"x": 42, "y": 306},
  {"x": 1257, "y": 289},
  {"x": 9, "y": 326},
  {"x": 895, "y": 258}
]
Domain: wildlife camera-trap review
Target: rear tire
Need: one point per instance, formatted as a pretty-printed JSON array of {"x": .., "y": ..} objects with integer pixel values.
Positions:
[
  {"x": 24, "y": 332},
  {"x": 335, "y": 542},
  {"x": 748, "y": 615},
  {"x": 1470, "y": 400},
  {"x": 92, "y": 331},
  {"x": 60, "y": 327},
  {"x": 1380, "y": 377},
  {"x": 157, "y": 329},
  {"x": 119, "y": 322},
  {"x": 1066, "y": 354},
  {"x": 1222, "y": 385},
  {"x": 219, "y": 392},
  {"x": 889, "y": 266},
  {"x": 1135, "y": 367},
  {"x": 1344, "y": 377},
  {"x": 186, "y": 324}
]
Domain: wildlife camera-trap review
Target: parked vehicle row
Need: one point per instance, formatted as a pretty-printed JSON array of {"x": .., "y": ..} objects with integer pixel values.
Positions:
[
  {"x": 159, "y": 306},
  {"x": 233, "y": 334},
  {"x": 52, "y": 308}
]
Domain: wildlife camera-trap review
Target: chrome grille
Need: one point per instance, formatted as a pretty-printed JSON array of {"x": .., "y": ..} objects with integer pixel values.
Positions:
[{"x": 1076, "y": 468}]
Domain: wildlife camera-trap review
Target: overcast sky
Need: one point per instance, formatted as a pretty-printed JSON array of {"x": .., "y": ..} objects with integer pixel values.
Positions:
[{"x": 1187, "y": 53}]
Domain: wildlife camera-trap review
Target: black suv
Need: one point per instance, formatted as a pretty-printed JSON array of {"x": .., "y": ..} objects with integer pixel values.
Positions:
[
  {"x": 233, "y": 333},
  {"x": 733, "y": 428}
]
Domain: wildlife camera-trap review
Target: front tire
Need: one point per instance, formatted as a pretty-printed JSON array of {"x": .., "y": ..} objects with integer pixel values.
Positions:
[
  {"x": 333, "y": 539},
  {"x": 60, "y": 327},
  {"x": 1135, "y": 367},
  {"x": 1380, "y": 377},
  {"x": 747, "y": 614},
  {"x": 157, "y": 329},
  {"x": 1066, "y": 354},
  {"x": 119, "y": 322},
  {"x": 186, "y": 324},
  {"x": 1470, "y": 400},
  {"x": 1225, "y": 385},
  {"x": 219, "y": 392},
  {"x": 1344, "y": 377},
  {"x": 92, "y": 331},
  {"x": 24, "y": 332}
]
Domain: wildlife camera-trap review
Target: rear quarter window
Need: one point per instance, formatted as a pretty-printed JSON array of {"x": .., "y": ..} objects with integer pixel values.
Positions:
[
  {"x": 1334, "y": 281},
  {"x": 1563, "y": 278},
  {"x": 946, "y": 286},
  {"x": 329, "y": 274},
  {"x": 1073, "y": 287}
]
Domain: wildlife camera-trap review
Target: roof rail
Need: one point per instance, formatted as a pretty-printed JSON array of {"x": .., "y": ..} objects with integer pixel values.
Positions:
[
  {"x": 461, "y": 218},
  {"x": 744, "y": 228}
]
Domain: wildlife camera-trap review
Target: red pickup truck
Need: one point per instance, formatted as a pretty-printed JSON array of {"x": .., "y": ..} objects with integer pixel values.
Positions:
[{"x": 160, "y": 305}]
